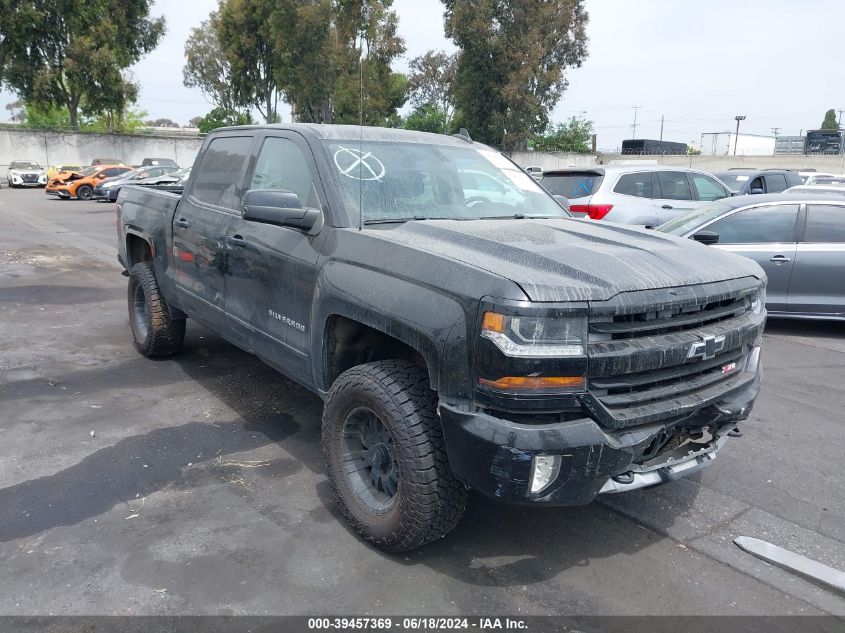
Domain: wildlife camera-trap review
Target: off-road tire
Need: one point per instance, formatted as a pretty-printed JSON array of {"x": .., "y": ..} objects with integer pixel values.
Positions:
[
  {"x": 429, "y": 501},
  {"x": 163, "y": 335},
  {"x": 84, "y": 192}
]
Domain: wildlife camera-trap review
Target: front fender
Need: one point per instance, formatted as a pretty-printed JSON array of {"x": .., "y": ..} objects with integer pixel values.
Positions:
[{"x": 427, "y": 319}]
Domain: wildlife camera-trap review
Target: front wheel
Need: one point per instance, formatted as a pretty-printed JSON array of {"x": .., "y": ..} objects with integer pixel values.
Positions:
[
  {"x": 155, "y": 332},
  {"x": 386, "y": 459},
  {"x": 84, "y": 192}
]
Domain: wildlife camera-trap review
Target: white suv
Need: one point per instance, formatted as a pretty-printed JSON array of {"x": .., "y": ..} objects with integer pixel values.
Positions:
[{"x": 633, "y": 194}]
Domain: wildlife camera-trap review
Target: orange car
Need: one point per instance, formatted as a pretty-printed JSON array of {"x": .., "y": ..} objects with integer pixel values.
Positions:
[{"x": 80, "y": 184}]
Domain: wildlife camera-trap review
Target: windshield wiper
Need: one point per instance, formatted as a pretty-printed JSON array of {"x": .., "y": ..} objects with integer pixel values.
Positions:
[
  {"x": 515, "y": 216},
  {"x": 394, "y": 220}
]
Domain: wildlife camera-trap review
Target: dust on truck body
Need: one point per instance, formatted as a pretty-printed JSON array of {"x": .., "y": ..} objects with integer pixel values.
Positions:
[{"x": 462, "y": 329}]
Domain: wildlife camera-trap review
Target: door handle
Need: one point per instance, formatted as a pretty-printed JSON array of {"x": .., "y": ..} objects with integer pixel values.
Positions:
[
  {"x": 183, "y": 223},
  {"x": 779, "y": 259},
  {"x": 236, "y": 240},
  {"x": 667, "y": 206}
]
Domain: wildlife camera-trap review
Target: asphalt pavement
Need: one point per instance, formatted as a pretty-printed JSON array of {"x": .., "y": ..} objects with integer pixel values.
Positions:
[{"x": 195, "y": 485}]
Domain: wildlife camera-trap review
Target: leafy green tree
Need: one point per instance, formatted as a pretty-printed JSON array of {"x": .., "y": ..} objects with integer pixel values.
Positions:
[
  {"x": 353, "y": 42},
  {"x": 219, "y": 117},
  {"x": 512, "y": 62},
  {"x": 572, "y": 136},
  {"x": 195, "y": 121},
  {"x": 244, "y": 29},
  {"x": 426, "y": 118},
  {"x": 206, "y": 67},
  {"x": 63, "y": 53},
  {"x": 51, "y": 117},
  {"x": 431, "y": 81},
  {"x": 830, "y": 122}
]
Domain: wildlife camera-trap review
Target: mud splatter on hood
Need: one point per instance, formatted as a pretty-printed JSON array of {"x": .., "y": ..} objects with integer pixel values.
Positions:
[{"x": 574, "y": 260}]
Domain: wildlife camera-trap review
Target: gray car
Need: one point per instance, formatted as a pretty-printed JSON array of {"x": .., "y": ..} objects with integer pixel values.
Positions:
[
  {"x": 642, "y": 194},
  {"x": 798, "y": 239}
]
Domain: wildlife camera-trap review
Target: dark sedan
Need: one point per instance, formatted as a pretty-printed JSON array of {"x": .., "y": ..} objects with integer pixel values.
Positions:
[
  {"x": 108, "y": 189},
  {"x": 798, "y": 239}
]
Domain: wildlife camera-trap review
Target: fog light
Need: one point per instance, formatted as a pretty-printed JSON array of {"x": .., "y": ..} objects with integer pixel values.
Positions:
[{"x": 544, "y": 470}]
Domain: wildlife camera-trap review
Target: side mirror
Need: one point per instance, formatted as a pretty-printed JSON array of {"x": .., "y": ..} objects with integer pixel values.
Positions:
[
  {"x": 278, "y": 207},
  {"x": 706, "y": 237},
  {"x": 755, "y": 191},
  {"x": 101, "y": 176}
]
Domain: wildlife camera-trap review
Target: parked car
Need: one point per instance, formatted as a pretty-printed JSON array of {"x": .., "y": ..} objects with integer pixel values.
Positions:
[
  {"x": 457, "y": 342},
  {"x": 798, "y": 239},
  {"x": 756, "y": 181},
  {"x": 107, "y": 161},
  {"x": 835, "y": 189},
  {"x": 633, "y": 194},
  {"x": 178, "y": 178},
  {"x": 825, "y": 179},
  {"x": 108, "y": 188},
  {"x": 54, "y": 170},
  {"x": 159, "y": 162},
  {"x": 26, "y": 173},
  {"x": 81, "y": 184}
]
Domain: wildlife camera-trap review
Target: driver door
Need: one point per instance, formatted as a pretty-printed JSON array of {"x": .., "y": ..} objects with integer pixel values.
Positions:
[{"x": 271, "y": 274}]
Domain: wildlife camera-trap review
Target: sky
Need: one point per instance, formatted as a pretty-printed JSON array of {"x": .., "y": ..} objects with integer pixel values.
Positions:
[{"x": 697, "y": 64}]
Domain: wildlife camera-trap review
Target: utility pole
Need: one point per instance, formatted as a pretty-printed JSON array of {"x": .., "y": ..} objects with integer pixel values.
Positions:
[
  {"x": 775, "y": 131},
  {"x": 634, "y": 126},
  {"x": 738, "y": 117},
  {"x": 839, "y": 120},
  {"x": 661, "y": 126}
]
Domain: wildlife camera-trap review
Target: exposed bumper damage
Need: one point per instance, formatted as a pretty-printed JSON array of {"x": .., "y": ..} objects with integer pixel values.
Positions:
[{"x": 495, "y": 455}]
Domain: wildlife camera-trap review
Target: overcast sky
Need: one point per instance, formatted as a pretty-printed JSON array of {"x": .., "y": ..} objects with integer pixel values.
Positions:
[{"x": 779, "y": 62}]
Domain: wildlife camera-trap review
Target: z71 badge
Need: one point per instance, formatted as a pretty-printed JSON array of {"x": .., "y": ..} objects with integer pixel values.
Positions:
[{"x": 281, "y": 317}]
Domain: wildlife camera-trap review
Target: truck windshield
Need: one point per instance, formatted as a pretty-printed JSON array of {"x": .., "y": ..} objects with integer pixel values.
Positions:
[{"x": 389, "y": 181}]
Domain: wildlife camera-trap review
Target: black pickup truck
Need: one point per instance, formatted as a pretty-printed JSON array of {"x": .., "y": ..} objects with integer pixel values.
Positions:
[{"x": 462, "y": 329}]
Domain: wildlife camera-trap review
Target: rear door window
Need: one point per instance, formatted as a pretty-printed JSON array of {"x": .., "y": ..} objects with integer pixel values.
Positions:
[
  {"x": 216, "y": 180},
  {"x": 674, "y": 185},
  {"x": 825, "y": 224},
  {"x": 572, "y": 184},
  {"x": 707, "y": 188},
  {"x": 638, "y": 185},
  {"x": 759, "y": 225},
  {"x": 775, "y": 183}
]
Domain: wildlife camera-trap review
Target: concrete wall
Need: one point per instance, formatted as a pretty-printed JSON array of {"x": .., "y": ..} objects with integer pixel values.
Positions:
[
  {"x": 552, "y": 161},
  {"x": 832, "y": 164},
  {"x": 51, "y": 148}
]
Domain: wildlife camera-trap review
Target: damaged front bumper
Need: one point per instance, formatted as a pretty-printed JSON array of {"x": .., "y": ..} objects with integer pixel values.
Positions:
[{"x": 497, "y": 456}]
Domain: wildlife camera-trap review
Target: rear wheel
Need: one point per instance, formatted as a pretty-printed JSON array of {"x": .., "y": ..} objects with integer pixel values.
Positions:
[
  {"x": 386, "y": 459},
  {"x": 84, "y": 192},
  {"x": 154, "y": 332}
]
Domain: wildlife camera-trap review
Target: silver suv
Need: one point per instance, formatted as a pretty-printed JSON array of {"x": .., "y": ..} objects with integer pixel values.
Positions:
[{"x": 647, "y": 195}]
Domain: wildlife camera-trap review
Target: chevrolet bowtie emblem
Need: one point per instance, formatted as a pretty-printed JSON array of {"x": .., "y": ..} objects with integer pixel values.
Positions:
[{"x": 707, "y": 348}]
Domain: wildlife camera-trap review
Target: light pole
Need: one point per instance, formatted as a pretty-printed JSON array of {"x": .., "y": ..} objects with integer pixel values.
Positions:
[{"x": 738, "y": 117}]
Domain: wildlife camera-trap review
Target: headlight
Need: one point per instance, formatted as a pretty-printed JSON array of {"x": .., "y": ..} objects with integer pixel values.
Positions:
[
  {"x": 758, "y": 301},
  {"x": 107, "y": 185},
  {"x": 535, "y": 336}
]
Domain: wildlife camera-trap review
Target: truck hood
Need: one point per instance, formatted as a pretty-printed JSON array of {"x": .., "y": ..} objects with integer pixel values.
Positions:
[{"x": 574, "y": 260}]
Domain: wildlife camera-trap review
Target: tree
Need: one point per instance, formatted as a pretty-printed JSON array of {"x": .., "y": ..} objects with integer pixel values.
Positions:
[
  {"x": 195, "y": 122},
  {"x": 830, "y": 122},
  {"x": 63, "y": 53},
  {"x": 426, "y": 118},
  {"x": 206, "y": 67},
  {"x": 17, "y": 110},
  {"x": 354, "y": 43},
  {"x": 161, "y": 123},
  {"x": 511, "y": 65},
  {"x": 572, "y": 136},
  {"x": 219, "y": 117},
  {"x": 431, "y": 82},
  {"x": 244, "y": 29}
]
